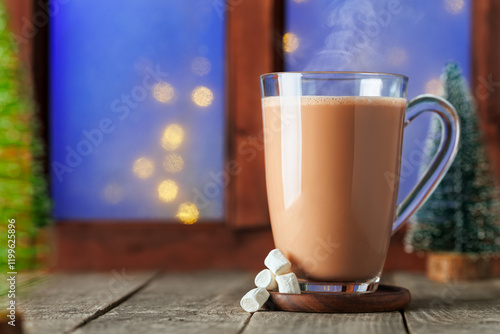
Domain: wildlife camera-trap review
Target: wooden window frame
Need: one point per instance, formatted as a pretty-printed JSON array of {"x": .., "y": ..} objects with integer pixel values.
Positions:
[
  {"x": 486, "y": 73},
  {"x": 254, "y": 32},
  {"x": 242, "y": 240}
]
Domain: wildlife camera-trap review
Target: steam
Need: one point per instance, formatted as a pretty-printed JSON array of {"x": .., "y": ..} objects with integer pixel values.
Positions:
[{"x": 355, "y": 29}]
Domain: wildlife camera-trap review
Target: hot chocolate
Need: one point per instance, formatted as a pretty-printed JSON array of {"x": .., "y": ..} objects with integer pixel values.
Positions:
[{"x": 331, "y": 164}]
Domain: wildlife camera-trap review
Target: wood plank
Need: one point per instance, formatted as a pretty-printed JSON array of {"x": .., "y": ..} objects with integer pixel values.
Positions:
[
  {"x": 457, "y": 307},
  {"x": 205, "y": 302},
  {"x": 170, "y": 304},
  {"x": 19, "y": 13},
  {"x": 254, "y": 47},
  {"x": 40, "y": 73},
  {"x": 486, "y": 73},
  {"x": 145, "y": 245},
  {"x": 64, "y": 301},
  {"x": 287, "y": 322},
  {"x": 142, "y": 245}
]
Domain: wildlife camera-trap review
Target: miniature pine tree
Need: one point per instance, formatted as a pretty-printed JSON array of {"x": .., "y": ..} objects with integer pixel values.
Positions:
[
  {"x": 462, "y": 214},
  {"x": 23, "y": 188}
]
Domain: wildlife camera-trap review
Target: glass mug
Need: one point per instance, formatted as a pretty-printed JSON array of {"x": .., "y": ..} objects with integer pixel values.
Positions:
[{"x": 333, "y": 143}]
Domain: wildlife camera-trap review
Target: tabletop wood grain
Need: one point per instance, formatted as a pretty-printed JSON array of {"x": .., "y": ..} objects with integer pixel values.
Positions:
[
  {"x": 209, "y": 302},
  {"x": 63, "y": 302},
  {"x": 455, "y": 307}
]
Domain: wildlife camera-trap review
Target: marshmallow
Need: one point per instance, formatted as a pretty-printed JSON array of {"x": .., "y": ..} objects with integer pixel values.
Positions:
[
  {"x": 288, "y": 283},
  {"x": 265, "y": 279},
  {"x": 277, "y": 262},
  {"x": 254, "y": 299}
]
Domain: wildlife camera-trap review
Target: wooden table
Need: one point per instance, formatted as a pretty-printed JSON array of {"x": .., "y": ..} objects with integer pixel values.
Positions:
[{"x": 208, "y": 302}]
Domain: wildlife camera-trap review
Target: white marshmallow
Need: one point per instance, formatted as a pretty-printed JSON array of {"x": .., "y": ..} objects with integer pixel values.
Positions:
[
  {"x": 277, "y": 262},
  {"x": 288, "y": 283},
  {"x": 254, "y": 299},
  {"x": 266, "y": 279}
]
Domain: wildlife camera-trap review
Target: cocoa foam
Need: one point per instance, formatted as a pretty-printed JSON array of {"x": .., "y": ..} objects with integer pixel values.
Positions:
[{"x": 276, "y": 101}]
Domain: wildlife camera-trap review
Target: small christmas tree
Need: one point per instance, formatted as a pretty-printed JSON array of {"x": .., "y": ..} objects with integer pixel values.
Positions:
[
  {"x": 462, "y": 214},
  {"x": 23, "y": 188}
]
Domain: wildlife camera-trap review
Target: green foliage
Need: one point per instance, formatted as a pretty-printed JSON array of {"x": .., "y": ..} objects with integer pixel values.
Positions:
[
  {"x": 23, "y": 188},
  {"x": 462, "y": 214}
]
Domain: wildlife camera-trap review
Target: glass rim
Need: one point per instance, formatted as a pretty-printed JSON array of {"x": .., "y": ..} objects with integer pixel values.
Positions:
[{"x": 353, "y": 73}]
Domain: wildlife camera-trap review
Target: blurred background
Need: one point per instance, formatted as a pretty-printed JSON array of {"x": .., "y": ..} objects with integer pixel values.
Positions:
[
  {"x": 168, "y": 129},
  {"x": 149, "y": 116}
]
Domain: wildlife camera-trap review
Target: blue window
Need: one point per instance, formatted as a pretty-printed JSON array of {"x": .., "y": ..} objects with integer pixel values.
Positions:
[
  {"x": 414, "y": 38},
  {"x": 137, "y": 109}
]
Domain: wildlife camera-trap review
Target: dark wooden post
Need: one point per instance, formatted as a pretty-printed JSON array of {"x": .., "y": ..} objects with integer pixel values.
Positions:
[
  {"x": 486, "y": 73},
  {"x": 254, "y": 31}
]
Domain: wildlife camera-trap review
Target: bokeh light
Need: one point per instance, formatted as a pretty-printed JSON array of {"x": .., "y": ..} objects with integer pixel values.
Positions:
[
  {"x": 12, "y": 135},
  {"x": 167, "y": 190},
  {"x": 434, "y": 86},
  {"x": 163, "y": 92},
  {"x": 290, "y": 42},
  {"x": 173, "y": 163},
  {"x": 13, "y": 169},
  {"x": 201, "y": 66},
  {"x": 143, "y": 168},
  {"x": 454, "y": 6},
  {"x": 202, "y": 96},
  {"x": 397, "y": 56},
  {"x": 188, "y": 213},
  {"x": 5, "y": 123},
  {"x": 172, "y": 137},
  {"x": 113, "y": 193}
]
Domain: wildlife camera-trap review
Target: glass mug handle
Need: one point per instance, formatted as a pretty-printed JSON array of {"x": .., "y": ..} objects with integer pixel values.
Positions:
[{"x": 443, "y": 159}]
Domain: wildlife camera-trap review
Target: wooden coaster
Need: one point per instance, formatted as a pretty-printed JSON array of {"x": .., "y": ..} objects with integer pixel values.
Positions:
[{"x": 386, "y": 298}]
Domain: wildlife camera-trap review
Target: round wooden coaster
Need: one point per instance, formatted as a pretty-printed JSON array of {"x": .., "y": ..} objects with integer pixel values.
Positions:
[{"x": 386, "y": 298}]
